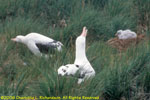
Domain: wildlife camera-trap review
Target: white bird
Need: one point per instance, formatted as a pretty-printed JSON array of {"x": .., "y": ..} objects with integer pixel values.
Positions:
[
  {"x": 81, "y": 59},
  {"x": 81, "y": 64},
  {"x": 38, "y": 43},
  {"x": 126, "y": 34},
  {"x": 69, "y": 69}
]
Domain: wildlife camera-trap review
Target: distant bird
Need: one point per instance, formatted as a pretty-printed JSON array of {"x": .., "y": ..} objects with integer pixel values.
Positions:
[
  {"x": 126, "y": 34},
  {"x": 38, "y": 43},
  {"x": 81, "y": 64}
]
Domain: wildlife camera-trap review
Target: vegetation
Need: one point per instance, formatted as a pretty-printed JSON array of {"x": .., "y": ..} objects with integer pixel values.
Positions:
[{"x": 119, "y": 75}]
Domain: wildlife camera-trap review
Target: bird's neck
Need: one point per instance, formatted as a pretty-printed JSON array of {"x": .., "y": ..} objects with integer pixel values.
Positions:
[
  {"x": 80, "y": 55},
  {"x": 23, "y": 40}
]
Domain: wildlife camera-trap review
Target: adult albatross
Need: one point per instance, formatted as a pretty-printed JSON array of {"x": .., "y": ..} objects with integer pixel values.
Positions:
[
  {"x": 85, "y": 68},
  {"x": 38, "y": 43},
  {"x": 81, "y": 64}
]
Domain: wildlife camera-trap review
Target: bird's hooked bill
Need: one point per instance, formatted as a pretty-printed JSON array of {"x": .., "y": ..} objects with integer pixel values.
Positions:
[
  {"x": 116, "y": 34},
  {"x": 13, "y": 39},
  {"x": 84, "y": 32}
]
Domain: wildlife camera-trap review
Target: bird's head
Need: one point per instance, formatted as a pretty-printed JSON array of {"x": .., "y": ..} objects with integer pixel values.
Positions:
[
  {"x": 118, "y": 32},
  {"x": 18, "y": 38},
  {"x": 80, "y": 41},
  {"x": 59, "y": 45},
  {"x": 62, "y": 70},
  {"x": 69, "y": 69},
  {"x": 84, "y": 32}
]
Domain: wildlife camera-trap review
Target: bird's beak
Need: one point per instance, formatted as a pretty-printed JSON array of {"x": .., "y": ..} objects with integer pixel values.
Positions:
[
  {"x": 84, "y": 32},
  {"x": 13, "y": 39},
  {"x": 116, "y": 34}
]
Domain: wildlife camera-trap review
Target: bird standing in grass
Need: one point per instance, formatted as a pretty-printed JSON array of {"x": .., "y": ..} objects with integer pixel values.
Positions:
[
  {"x": 85, "y": 68},
  {"x": 38, "y": 43},
  {"x": 81, "y": 63}
]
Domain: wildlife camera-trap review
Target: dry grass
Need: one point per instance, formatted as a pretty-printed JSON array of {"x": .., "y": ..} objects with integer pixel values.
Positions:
[{"x": 122, "y": 45}]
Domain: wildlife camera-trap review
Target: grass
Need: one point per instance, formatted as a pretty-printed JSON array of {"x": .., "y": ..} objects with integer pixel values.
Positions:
[{"x": 119, "y": 75}]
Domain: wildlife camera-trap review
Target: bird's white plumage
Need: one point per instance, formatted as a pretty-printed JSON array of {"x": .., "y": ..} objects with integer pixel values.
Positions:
[
  {"x": 32, "y": 39},
  {"x": 38, "y": 38},
  {"x": 69, "y": 69},
  {"x": 126, "y": 34},
  {"x": 81, "y": 60}
]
